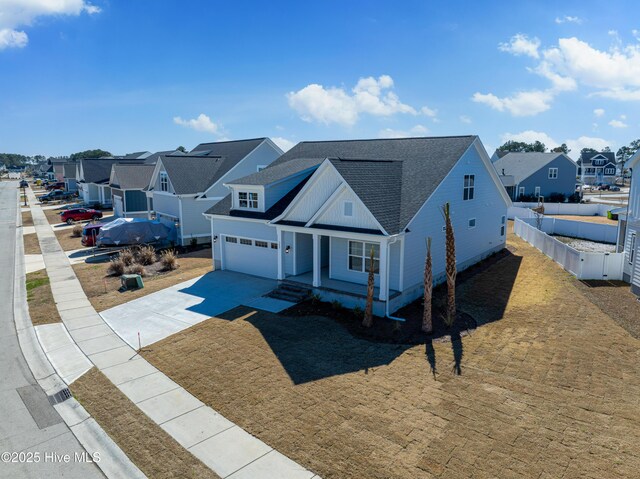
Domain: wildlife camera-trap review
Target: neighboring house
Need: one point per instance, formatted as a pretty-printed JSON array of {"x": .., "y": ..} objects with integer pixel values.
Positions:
[
  {"x": 594, "y": 168},
  {"x": 313, "y": 217},
  {"x": 58, "y": 167},
  {"x": 536, "y": 174},
  {"x": 128, "y": 183},
  {"x": 70, "y": 177},
  {"x": 92, "y": 178},
  {"x": 183, "y": 187},
  {"x": 631, "y": 271}
]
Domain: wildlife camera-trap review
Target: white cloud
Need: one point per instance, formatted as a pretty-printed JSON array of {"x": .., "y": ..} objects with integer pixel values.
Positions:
[
  {"x": 521, "y": 44},
  {"x": 618, "y": 124},
  {"x": 426, "y": 111},
  {"x": 586, "y": 142},
  {"x": 568, "y": 19},
  {"x": 417, "y": 130},
  {"x": 335, "y": 105},
  {"x": 525, "y": 103},
  {"x": 201, "y": 123},
  {"x": 575, "y": 145},
  {"x": 598, "y": 112},
  {"x": 284, "y": 144},
  {"x": 14, "y": 14},
  {"x": 465, "y": 119}
]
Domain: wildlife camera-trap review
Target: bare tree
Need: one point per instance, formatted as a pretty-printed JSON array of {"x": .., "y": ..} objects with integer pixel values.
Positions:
[
  {"x": 427, "y": 324},
  {"x": 450, "y": 267},
  {"x": 539, "y": 212},
  {"x": 368, "y": 310}
]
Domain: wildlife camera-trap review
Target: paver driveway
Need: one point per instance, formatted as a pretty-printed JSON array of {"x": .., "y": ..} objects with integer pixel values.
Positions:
[
  {"x": 166, "y": 312},
  {"x": 549, "y": 386}
]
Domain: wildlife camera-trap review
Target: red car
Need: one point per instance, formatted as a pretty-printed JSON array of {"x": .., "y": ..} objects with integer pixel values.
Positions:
[
  {"x": 90, "y": 233},
  {"x": 55, "y": 186},
  {"x": 80, "y": 214}
]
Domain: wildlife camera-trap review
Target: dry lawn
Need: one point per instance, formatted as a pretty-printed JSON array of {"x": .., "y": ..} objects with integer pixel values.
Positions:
[
  {"x": 27, "y": 219},
  {"x": 549, "y": 385},
  {"x": 31, "y": 244},
  {"x": 42, "y": 307},
  {"x": 150, "y": 448},
  {"x": 588, "y": 219},
  {"x": 103, "y": 291},
  {"x": 53, "y": 216},
  {"x": 67, "y": 241}
]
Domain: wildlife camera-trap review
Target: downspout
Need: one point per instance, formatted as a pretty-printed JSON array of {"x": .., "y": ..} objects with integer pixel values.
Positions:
[{"x": 386, "y": 306}]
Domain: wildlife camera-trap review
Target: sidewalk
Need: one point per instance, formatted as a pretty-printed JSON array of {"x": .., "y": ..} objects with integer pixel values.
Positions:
[{"x": 220, "y": 444}]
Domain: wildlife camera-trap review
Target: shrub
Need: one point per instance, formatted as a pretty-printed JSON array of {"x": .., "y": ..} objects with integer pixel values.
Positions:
[
  {"x": 315, "y": 299},
  {"x": 336, "y": 305},
  {"x": 146, "y": 255},
  {"x": 556, "y": 198},
  {"x": 137, "y": 269},
  {"x": 76, "y": 232},
  {"x": 116, "y": 267},
  {"x": 126, "y": 256},
  {"x": 169, "y": 260},
  {"x": 358, "y": 312}
]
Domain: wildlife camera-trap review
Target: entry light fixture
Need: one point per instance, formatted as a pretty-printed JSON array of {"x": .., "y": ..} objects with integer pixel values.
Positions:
[
  {"x": 287, "y": 249},
  {"x": 215, "y": 239}
]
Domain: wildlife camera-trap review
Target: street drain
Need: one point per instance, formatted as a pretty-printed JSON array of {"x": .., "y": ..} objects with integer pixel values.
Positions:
[{"x": 60, "y": 396}]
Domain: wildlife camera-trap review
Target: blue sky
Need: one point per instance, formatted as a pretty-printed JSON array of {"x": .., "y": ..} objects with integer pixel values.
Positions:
[{"x": 151, "y": 75}]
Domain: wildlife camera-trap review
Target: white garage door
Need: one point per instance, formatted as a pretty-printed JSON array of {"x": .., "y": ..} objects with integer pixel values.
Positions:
[
  {"x": 250, "y": 256},
  {"x": 117, "y": 207}
]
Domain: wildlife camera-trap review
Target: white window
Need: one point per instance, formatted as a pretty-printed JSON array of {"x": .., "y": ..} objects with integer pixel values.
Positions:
[
  {"x": 521, "y": 191},
  {"x": 246, "y": 242},
  {"x": 472, "y": 223},
  {"x": 589, "y": 171},
  {"x": 231, "y": 239},
  {"x": 553, "y": 173},
  {"x": 248, "y": 200},
  {"x": 274, "y": 245},
  {"x": 164, "y": 181},
  {"x": 348, "y": 208},
  {"x": 632, "y": 250},
  {"x": 537, "y": 191},
  {"x": 262, "y": 244},
  {"x": 469, "y": 187},
  {"x": 609, "y": 171},
  {"x": 360, "y": 256}
]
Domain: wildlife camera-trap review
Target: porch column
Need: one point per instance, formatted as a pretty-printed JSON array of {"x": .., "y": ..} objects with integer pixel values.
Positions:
[
  {"x": 281, "y": 246},
  {"x": 383, "y": 270},
  {"x": 317, "y": 268}
]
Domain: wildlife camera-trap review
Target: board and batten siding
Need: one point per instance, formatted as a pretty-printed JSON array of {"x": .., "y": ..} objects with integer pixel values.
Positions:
[
  {"x": 334, "y": 214},
  {"x": 488, "y": 207},
  {"x": 565, "y": 183},
  {"x": 323, "y": 186}
]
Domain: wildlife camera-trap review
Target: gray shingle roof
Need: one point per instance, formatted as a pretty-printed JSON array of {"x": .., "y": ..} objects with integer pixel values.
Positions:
[
  {"x": 206, "y": 164},
  {"x": 70, "y": 170},
  {"x": 132, "y": 177},
  {"x": 99, "y": 170},
  {"x": 587, "y": 157},
  {"x": 392, "y": 177},
  {"x": 278, "y": 172},
  {"x": 138, "y": 155},
  {"x": 153, "y": 158},
  {"x": 523, "y": 165}
]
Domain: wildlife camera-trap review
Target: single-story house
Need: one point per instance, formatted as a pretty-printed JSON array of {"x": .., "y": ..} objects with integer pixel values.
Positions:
[
  {"x": 531, "y": 175},
  {"x": 92, "y": 179},
  {"x": 631, "y": 247},
  {"x": 182, "y": 187},
  {"x": 128, "y": 183},
  {"x": 313, "y": 217},
  {"x": 70, "y": 177},
  {"x": 597, "y": 167}
]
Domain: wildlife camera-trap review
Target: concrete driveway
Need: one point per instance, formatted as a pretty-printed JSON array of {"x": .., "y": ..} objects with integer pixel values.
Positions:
[{"x": 179, "y": 307}]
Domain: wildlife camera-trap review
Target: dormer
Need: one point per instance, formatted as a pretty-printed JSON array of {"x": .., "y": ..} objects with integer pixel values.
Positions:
[
  {"x": 248, "y": 198},
  {"x": 598, "y": 160}
]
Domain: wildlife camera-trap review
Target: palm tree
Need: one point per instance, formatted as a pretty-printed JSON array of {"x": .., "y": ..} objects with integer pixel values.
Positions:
[
  {"x": 368, "y": 310},
  {"x": 450, "y": 267},
  {"x": 427, "y": 325}
]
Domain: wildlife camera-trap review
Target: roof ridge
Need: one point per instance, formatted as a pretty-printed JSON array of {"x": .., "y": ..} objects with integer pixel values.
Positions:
[
  {"x": 391, "y": 139},
  {"x": 231, "y": 141}
]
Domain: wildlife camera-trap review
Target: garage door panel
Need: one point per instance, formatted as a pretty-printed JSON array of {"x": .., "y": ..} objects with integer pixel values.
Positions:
[{"x": 251, "y": 259}]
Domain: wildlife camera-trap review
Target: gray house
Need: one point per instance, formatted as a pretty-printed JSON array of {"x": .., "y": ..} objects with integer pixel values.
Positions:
[
  {"x": 597, "y": 167},
  {"x": 128, "y": 183},
  {"x": 530, "y": 175},
  {"x": 92, "y": 178},
  {"x": 70, "y": 177}
]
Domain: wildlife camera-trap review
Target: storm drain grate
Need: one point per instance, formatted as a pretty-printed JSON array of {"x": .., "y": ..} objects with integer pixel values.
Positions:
[{"x": 60, "y": 396}]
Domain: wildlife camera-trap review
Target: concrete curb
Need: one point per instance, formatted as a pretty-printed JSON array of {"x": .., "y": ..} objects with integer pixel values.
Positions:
[{"x": 113, "y": 463}]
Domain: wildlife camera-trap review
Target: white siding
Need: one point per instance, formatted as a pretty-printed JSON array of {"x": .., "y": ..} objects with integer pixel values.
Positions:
[
  {"x": 631, "y": 230},
  {"x": 340, "y": 264},
  {"x": 487, "y": 207},
  {"x": 317, "y": 193},
  {"x": 334, "y": 214},
  {"x": 167, "y": 204},
  {"x": 240, "y": 228},
  {"x": 193, "y": 223}
]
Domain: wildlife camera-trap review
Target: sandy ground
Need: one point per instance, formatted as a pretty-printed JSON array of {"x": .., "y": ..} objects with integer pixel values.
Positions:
[
  {"x": 586, "y": 245},
  {"x": 31, "y": 244},
  {"x": 549, "y": 385},
  {"x": 588, "y": 219}
]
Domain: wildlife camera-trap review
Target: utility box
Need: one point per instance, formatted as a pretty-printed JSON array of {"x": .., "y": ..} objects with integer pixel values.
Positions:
[{"x": 131, "y": 281}]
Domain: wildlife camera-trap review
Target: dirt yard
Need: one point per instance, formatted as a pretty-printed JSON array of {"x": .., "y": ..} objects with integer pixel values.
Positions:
[
  {"x": 67, "y": 241},
  {"x": 27, "y": 219},
  {"x": 156, "y": 453},
  {"x": 588, "y": 219},
  {"x": 547, "y": 387},
  {"x": 31, "y": 244},
  {"x": 42, "y": 307},
  {"x": 102, "y": 290}
]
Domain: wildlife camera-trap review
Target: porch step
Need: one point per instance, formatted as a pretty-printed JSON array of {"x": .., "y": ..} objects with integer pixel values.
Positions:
[{"x": 290, "y": 292}]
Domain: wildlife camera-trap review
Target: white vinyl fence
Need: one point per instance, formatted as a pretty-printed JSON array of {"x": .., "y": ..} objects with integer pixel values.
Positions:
[
  {"x": 580, "y": 264},
  {"x": 573, "y": 209},
  {"x": 600, "y": 233}
]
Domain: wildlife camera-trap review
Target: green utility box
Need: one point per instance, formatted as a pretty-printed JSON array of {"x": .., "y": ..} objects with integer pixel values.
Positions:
[{"x": 131, "y": 281}]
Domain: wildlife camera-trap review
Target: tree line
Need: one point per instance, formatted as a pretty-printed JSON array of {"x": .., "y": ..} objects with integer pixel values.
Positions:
[{"x": 512, "y": 146}]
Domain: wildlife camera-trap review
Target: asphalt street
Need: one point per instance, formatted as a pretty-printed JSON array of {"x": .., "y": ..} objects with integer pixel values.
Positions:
[{"x": 34, "y": 441}]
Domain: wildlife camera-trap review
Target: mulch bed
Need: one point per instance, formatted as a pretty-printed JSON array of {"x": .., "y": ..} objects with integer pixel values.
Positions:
[{"x": 387, "y": 330}]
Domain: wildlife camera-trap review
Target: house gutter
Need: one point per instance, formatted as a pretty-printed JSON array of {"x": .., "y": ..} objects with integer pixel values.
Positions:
[{"x": 386, "y": 306}]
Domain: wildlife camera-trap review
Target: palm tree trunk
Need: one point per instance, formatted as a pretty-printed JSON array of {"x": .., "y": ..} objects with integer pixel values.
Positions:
[
  {"x": 368, "y": 310},
  {"x": 450, "y": 266},
  {"x": 427, "y": 324}
]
